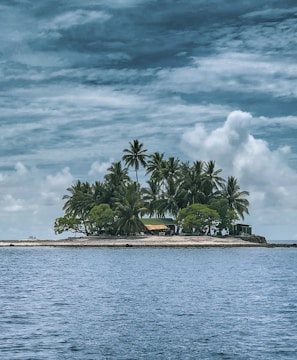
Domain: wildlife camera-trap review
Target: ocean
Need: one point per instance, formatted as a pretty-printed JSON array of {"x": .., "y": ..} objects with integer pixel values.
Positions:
[{"x": 148, "y": 303}]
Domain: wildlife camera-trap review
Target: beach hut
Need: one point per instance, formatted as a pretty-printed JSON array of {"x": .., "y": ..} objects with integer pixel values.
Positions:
[{"x": 159, "y": 226}]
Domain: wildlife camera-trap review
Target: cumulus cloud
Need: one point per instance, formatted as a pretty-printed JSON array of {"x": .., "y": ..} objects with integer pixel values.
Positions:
[
  {"x": 222, "y": 143},
  {"x": 54, "y": 186},
  {"x": 12, "y": 204},
  {"x": 262, "y": 171},
  {"x": 50, "y": 198},
  {"x": 98, "y": 168},
  {"x": 60, "y": 180}
]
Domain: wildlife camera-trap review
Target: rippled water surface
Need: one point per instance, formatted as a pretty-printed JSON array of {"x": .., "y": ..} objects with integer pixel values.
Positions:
[{"x": 76, "y": 303}]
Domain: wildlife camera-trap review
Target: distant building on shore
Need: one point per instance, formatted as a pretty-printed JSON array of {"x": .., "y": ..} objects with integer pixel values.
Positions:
[{"x": 242, "y": 229}]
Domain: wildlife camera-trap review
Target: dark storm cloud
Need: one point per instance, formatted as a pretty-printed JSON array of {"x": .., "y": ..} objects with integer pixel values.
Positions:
[{"x": 149, "y": 34}]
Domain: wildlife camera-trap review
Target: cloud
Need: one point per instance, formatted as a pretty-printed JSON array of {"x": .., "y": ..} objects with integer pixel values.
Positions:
[
  {"x": 11, "y": 204},
  {"x": 271, "y": 13},
  {"x": 54, "y": 186},
  {"x": 60, "y": 181},
  {"x": 81, "y": 79},
  {"x": 21, "y": 168},
  {"x": 231, "y": 71},
  {"x": 98, "y": 168},
  {"x": 50, "y": 198},
  {"x": 260, "y": 170},
  {"x": 76, "y": 18},
  {"x": 221, "y": 143}
]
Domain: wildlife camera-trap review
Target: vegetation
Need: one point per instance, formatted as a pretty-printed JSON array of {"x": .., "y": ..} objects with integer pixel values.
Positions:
[{"x": 196, "y": 195}]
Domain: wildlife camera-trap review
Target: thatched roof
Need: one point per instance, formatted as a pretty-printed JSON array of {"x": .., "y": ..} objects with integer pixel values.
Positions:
[{"x": 156, "y": 227}]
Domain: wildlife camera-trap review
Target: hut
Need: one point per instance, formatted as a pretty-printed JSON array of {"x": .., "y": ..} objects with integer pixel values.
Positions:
[
  {"x": 159, "y": 226},
  {"x": 242, "y": 229}
]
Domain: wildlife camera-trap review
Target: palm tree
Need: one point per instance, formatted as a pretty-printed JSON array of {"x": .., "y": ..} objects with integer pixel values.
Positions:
[
  {"x": 236, "y": 199},
  {"x": 154, "y": 166},
  {"x": 170, "y": 200},
  {"x": 192, "y": 184},
  {"x": 79, "y": 202},
  {"x": 117, "y": 177},
  {"x": 212, "y": 181},
  {"x": 117, "y": 174},
  {"x": 151, "y": 196},
  {"x": 129, "y": 207},
  {"x": 135, "y": 156},
  {"x": 99, "y": 193},
  {"x": 171, "y": 169}
]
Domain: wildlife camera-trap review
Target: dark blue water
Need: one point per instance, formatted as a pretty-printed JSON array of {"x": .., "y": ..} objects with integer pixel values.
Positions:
[{"x": 76, "y": 303}]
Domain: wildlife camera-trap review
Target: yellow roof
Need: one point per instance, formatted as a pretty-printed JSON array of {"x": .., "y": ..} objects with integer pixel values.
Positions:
[{"x": 156, "y": 227}]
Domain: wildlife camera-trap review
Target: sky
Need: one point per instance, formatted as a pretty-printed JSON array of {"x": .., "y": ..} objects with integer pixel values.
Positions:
[{"x": 196, "y": 79}]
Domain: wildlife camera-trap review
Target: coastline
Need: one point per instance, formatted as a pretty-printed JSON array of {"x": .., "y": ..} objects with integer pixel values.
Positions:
[{"x": 142, "y": 241}]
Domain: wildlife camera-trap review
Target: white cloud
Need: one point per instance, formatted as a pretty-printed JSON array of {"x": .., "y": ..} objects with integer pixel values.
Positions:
[
  {"x": 233, "y": 71},
  {"x": 265, "y": 173},
  {"x": 21, "y": 168},
  {"x": 11, "y": 204},
  {"x": 60, "y": 180},
  {"x": 76, "y": 18},
  {"x": 98, "y": 168},
  {"x": 54, "y": 185},
  {"x": 270, "y": 13},
  {"x": 50, "y": 198},
  {"x": 52, "y": 188}
]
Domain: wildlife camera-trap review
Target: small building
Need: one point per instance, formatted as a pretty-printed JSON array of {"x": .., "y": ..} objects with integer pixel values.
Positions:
[
  {"x": 242, "y": 229},
  {"x": 159, "y": 226}
]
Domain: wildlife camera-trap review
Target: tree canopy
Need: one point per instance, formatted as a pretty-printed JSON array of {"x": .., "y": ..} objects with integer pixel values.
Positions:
[{"x": 196, "y": 195}]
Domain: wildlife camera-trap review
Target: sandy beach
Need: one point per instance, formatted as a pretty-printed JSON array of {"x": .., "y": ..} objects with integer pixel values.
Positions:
[{"x": 138, "y": 241}]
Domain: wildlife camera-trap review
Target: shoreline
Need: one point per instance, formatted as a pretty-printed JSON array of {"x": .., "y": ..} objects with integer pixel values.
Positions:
[{"x": 143, "y": 241}]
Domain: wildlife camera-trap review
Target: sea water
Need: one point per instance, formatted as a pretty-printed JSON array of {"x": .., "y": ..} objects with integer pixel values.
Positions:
[{"x": 143, "y": 303}]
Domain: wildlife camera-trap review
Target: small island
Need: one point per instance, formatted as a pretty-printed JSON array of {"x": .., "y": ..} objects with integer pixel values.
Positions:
[
  {"x": 195, "y": 196},
  {"x": 177, "y": 204}
]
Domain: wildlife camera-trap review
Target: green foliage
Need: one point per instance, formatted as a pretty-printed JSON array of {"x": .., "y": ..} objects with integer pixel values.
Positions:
[
  {"x": 197, "y": 217},
  {"x": 135, "y": 156},
  {"x": 101, "y": 217},
  {"x": 129, "y": 206},
  {"x": 227, "y": 215},
  {"x": 68, "y": 223},
  {"x": 196, "y": 193},
  {"x": 236, "y": 199}
]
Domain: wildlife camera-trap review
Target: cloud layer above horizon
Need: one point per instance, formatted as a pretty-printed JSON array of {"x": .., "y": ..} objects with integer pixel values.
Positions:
[{"x": 81, "y": 80}]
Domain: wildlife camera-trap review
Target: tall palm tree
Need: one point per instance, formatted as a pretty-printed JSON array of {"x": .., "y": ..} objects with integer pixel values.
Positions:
[
  {"x": 154, "y": 166},
  {"x": 135, "y": 156},
  {"x": 192, "y": 184},
  {"x": 236, "y": 199},
  {"x": 212, "y": 180},
  {"x": 171, "y": 169}
]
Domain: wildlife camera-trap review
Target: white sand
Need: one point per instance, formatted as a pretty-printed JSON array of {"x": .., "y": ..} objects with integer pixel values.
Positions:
[{"x": 143, "y": 241}]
